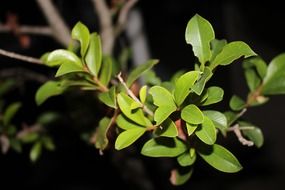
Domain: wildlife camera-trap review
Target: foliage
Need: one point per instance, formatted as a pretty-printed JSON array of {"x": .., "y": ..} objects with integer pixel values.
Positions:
[{"x": 174, "y": 116}]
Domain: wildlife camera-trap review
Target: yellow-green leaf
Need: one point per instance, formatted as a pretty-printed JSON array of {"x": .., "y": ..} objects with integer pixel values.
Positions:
[
  {"x": 206, "y": 132},
  {"x": 93, "y": 57},
  {"x": 128, "y": 137},
  {"x": 81, "y": 33},
  {"x": 48, "y": 89},
  {"x": 60, "y": 56},
  {"x": 167, "y": 129},
  {"x": 192, "y": 114}
]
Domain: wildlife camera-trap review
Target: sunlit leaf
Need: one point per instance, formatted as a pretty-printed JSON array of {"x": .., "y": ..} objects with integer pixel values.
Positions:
[
  {"x": 47, "y": 90},
  {"x": 167, "y": 129},
  {"x": 93, "y": 57},
  {"x": 206, "y": 132},
  {"x": 60, "y": 56},
  {"x": 109, "y": 97},
  {"x": 143, "y": 94},
  {"x": 128, "y": 137},
  {"x": 67, "y": 68},
  {"x": 192, "y": 114},
  {"x": 81, "y": 33}
]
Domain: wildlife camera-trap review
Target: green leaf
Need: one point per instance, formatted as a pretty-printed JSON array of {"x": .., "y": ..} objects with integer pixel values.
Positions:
[
  {"x": 47, "y": 118},
  {"x": 192, "y": 114},
  {"x": 219, "y": 120},
  {"x": 36, "y": 151},
  {"x": 163, "y": 147},
  {"x": 253, "y": 133},
  {"x": 186, "y": 159},
  {"x": 135, "y": 105},
  {"x": 93, "y": 57},
  {"x": 47, "y": 90},
  {"x": 125, "y": 102},
  {"x": 125, "y": 123},
  {"x": 109, "y": 97},
  {"x": 178, "y": 178},
  {"x": 81, "y": 33},
  {"x": 236, "y": 103},
  {"x": 29, "y": 137},
  {"x": 199, "y": 33},
  {"x": 101, "y": 139},
  {"x": 143, "y": 94},
  {"x": 231, "y": 117},
  {"x": 216, "y": 47},
  {"x": 190, "y": 128},
  {"x": 67, "y": 68},
  {"x": 206, "y": 132},
  {"x": 10, "y": 112},
  {"x": 274, "y": 82},
  {"x": 48, "y": 143},
  {"x": 106, "y": 71},
  {"x": 164, "y": 102},
  {"x": 220, "y": 158},
  {"x": 60, "y": 56},
  {"x": 231, "y": 52},
  {"x": 257, "y": 63},
  {"x": 167, "y": 129},
  {"x": 16, "y": 145},
  {"x": 128, "y": 137},
  {"x": 140, "y": 70},
  {"x": 183, "y": 86},
  {"x": 215, "y": 95},
  {"x": 252, "y": 79},
  {"x": 200, "y": 84}
]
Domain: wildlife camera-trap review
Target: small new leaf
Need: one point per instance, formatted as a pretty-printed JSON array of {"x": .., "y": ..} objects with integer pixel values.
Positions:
[
  {"x": 81, "y": 33},
  {"x": 200, "y": 84},
  {"x": 143, "y": 94}
]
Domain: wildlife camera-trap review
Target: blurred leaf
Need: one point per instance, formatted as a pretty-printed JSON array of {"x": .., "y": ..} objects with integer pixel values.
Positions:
[
  {"x": 6, "y": 85},
  {"x": 274, "y": 82},
  {"x": 93, "y": 57},
  {"x": 16, "y": 145},
  {"x": 257, "y": 63},
  {"x": 29, "y": 137},
  {"x": 60, "y": 56},
  {"x": 216, "y": 47},
  {"x": 164, "y": 100},
  {"x": 254, "y": 134},
  {"x": 139, "y": 70},
  {"x": 192, "y": 114},
  {"x": 135, "y": 105},
  {"x": 236, "y": 103},
  {"x": 163, "y": 147},
  {"x": 167, "y": 129},
  {"x": 150, "y": 77},
  {"x": 186, "y": 159},
  {"x": 143, "y": 94},
  {"x": 109, "y": 97},
  {"x": 231, "y": 52},
  {"x": 101, "y": 140},
  {"x": 106, "y": 71},
  {"x": 10, "y": 112},
  {"x": 206, "y": 132},
  {"x": 219, "y": 158},
  {"x": 81, "y": 33},
  {"x": 67, "y": 68},
  {"x": 48, "y": 89},
  {"x": 183, "y": 86},
  {"x": 128, "y": 137},
  {"x": 200, "y": 84},
  {"x": 199, "y": 33},
  {"x": 47, "y": 118},
  {"x": 219, "y": 120},
  {"x": 252, "y": 79},
  {"x": 178, "y": 178},
  {"x": 215, "y": 95},
  {"x": 36, "y": 151},
  {"x": 48, "y": 143}
]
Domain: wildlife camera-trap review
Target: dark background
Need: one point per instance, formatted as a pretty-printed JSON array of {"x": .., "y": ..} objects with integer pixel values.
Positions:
[{"x": 75, "y": 165}]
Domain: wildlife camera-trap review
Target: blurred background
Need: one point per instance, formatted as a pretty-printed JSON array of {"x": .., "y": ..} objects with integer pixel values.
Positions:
[{"x": 77, "y": 165}]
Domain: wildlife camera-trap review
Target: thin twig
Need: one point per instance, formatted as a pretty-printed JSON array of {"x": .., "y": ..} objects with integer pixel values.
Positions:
[
  {"x": 123, "y": 15},
  {"x": 60, "y": 29},
  {"x": 20, "y": 57},
  {"x": 131, "y": 94},
  {"x": 38, "y": 30},
  {"x": 106, "y": 27},
  {"x": 238, "y": 133}
]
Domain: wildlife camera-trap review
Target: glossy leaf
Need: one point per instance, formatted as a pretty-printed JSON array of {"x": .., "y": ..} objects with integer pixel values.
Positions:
[
  {"x": 36, "y": 151},
  {"x": 47, "y": 90},
  {"x": 215, "y": 95},
  {"x": 186, "y": 159},
  {"x": 200, "y": 84},
  {"x": 253, "y": 133},
  {"x": 143, "y": 94},
  {"x": 220, "y": 158},
  {"x": 167, "y": 129},
  {"x": 109, "y": 97},
  {"x": 128, "y": 137},
  {"x": 231, "y": 52},
  {"x": 216, "y": 47},
  {"x": 191, "y": 128},
  {"x": 125, "y": 123},
  {"x": 60, "y": 56},
  {"x": 10, "y": 112},
  {"x": 101, "y": 140},
  {"x": 164, "y": 102},
  {"x": 81, "y": 33},
  {"x": 93, "y": 57},
  {"x": 67, "y": 68},
  {"x": 183, "y": 86},
  {"x": 192, "y": 114},
  {"x": 236, "y": 103},
  {"x": 206, "y": 132},
  {"x": 218, "y": 119},
  {"x": 125, "y": 102},
  {"x": 163, "y": 147},
  {"x": 274, "y": 82},
  {"x": 140, "y": 70},
  {"x": 199, "y": 33},
  {"x": 106, "y": 71},
  {"x": 178, "y": 178}
]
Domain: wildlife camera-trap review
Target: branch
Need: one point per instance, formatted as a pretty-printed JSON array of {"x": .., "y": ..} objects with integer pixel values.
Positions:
[
  {"x": 122, "y": 19},
  {"x": 106, "y": 27},
  {"x": 60, "y": 29},
  {"x": 131, "y": 94},
  {"x": 20, "y": 57},
  {"x": 238, "y": 133},
  {"x": 39, "y": 30}
]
